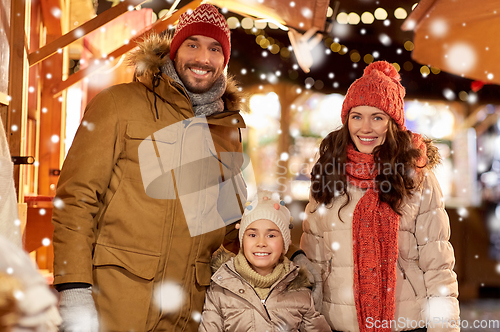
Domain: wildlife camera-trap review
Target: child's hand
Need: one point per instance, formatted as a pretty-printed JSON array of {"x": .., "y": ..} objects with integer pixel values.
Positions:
[{"x": 314, "y": 277}]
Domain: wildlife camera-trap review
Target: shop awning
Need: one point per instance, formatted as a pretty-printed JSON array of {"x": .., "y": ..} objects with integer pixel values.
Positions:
[{"x": 458, "y": 36}]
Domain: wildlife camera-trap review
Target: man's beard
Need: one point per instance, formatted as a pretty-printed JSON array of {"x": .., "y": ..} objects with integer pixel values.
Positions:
[{"x": 196, "y": 88}]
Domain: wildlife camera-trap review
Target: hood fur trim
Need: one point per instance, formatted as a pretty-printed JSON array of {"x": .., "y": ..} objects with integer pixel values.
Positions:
[
  {"x": 220, "y": 257},
  {"x": 300, "y": 281},
  {"x": 433, "y": 156},
  {"x": 150, "y": 55}
]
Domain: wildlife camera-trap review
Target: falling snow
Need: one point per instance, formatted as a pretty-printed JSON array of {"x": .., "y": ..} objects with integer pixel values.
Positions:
[
  {"x": 196, "y": 316},
  {"x": 461, "y": 57},
  {"x": 449, "y": 94},
  {"x": 169, "y": 297},
  {"x": 463, "y": 212},
  {"x": 58, "y": 203},
  {"x": 306, "y": 12},
  {"x": 444, "y": 291},
  {"x": 439, "y": 28},
  {"x": 56, "y": 12},
  {"x": 79, "y": 33}
]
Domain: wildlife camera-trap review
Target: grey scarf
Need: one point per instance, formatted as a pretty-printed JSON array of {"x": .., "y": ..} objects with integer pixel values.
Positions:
[{"x": 206, "y": 103}]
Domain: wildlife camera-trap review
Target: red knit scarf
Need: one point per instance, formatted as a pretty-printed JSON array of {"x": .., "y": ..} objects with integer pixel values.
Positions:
[{"x": 375, "y": 247}]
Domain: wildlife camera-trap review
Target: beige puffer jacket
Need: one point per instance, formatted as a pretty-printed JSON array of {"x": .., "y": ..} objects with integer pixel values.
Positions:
[
  {"x": 426, "y": 287},
  {"x": 231, "y": 304}
]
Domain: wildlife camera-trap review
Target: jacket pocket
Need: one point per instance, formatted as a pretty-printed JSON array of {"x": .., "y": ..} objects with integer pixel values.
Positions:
[
  {"x": 124, "y": 287},
  {"x": 405, "y": 278},
  {"x": 141, "y": 265},
  {"x": 149, "y": 148},
  {"x": 203, "y": 273}
]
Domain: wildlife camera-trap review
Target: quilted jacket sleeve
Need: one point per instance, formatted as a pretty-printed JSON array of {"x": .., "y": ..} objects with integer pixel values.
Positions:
[
  {"x": 211, "y": 318},
  {"x": 313, "y": 321},
  {"x": 437, "y": 259},
  {"x": 84, "y": 178},
  {"x": 312, "y": 241}
]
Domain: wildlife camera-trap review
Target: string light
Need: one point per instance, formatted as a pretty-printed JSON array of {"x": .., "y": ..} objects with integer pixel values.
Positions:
[
  {"x": 380, "y": 14},
  {"x": 367, "y": 18}
]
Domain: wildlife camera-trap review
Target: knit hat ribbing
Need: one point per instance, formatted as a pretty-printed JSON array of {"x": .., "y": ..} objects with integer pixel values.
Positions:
[
  {"x": 378, "y": 87},
  {"x": 267, "y": 206},
  {"x": 204, "y": 21}
]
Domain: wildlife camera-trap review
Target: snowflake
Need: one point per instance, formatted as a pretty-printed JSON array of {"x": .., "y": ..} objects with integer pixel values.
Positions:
[{"x": 169, "y": 297}]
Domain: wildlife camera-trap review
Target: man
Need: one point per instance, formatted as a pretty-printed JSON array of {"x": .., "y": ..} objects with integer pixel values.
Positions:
[
  {"x": 122, "y": 234},
  {"x": 110, "y": 234}
]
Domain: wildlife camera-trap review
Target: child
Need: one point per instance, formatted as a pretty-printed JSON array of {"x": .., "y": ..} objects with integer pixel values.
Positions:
[{"x": 260, "y": 289}]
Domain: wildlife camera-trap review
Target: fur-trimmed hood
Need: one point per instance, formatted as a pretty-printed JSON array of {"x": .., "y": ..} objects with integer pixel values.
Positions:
[
  {"x": 433, "y": 156},
  {"x": 222, "y": 256},
  {"x": 151, "y": 55}
]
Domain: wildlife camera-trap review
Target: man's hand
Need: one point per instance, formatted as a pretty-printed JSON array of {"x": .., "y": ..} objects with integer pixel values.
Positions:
[
  {"x": 314, "y": 278},
  {"x": 78, "y": 312}
]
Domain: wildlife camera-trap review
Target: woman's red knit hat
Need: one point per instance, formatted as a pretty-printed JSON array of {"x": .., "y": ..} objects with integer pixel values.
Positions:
[
  {"x": 204, "y": 21},
  {"x": 378, "y": 87}
]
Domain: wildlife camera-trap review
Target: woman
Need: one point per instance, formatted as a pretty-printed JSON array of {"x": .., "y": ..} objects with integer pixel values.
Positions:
[{"x": 376, "y": 223}]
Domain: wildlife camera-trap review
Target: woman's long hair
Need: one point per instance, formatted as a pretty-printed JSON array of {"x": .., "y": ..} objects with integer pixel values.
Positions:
[{"x": 395, "y": 160}]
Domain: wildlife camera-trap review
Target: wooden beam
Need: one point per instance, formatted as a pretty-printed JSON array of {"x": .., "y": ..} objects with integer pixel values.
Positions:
[
  {"x": 158, "y": 26},
  {"x": 51, "y": 12},
  {"x": 17, "y": 115},
  {"x": 82, "y": 30}
]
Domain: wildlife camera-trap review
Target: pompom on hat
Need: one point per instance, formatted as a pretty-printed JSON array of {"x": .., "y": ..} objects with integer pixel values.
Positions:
[
  {"x": 379, "y": 87},
  {"x": 270, "y": 207},
  {"x": 206, "y": 21}
]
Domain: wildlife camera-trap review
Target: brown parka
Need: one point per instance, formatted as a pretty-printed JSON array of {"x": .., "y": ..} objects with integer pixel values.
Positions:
[
  {"x": 107, "y": 231},
  {"x": 232, "y": 305}
]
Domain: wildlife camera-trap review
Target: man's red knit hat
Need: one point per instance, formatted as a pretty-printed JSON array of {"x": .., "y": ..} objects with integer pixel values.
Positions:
[
  {"x": 378, "y": 87},
  {"x": 205, "y": 21}
]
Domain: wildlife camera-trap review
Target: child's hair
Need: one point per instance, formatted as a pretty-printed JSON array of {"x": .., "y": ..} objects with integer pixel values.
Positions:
[{"x": 269, "y": 206}]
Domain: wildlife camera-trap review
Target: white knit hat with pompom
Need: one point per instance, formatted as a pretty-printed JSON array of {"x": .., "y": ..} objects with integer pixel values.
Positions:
[{"x": 268, "y": 206}]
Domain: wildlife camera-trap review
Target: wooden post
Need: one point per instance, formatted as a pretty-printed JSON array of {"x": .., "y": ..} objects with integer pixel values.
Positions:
[
  {"x": 52, "y": 109},
  {"x": 17, "y": 115},
  {"x": 286, "y": 98}
]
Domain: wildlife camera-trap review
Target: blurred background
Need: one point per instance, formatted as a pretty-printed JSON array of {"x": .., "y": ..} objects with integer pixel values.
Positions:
[{"x": 294, "y": 61}]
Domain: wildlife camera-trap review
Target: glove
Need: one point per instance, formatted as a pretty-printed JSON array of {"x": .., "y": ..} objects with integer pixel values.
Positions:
[
  {"x": 314, "y": 277},
  {"x": 78, "y": 312}
]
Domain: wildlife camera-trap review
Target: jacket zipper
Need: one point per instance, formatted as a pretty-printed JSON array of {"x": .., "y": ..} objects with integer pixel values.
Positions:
[
  {"x": 406, "y": 278},
  {"x": 262, "y": 301},
  {"x": 265, "y": 308}
]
